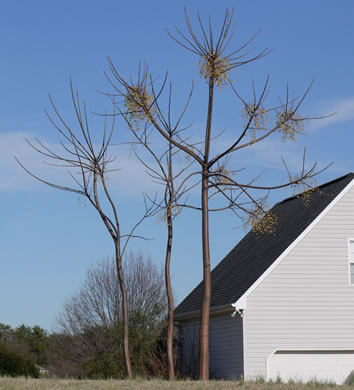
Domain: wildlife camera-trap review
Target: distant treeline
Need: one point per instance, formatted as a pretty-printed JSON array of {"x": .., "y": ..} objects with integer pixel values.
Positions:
[{"x": 87, "y": 343}]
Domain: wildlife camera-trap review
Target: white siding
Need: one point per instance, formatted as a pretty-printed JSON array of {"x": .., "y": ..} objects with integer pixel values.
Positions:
[
  {"x": 225, "y": 347},
  {"x": 306, "y": 302}
]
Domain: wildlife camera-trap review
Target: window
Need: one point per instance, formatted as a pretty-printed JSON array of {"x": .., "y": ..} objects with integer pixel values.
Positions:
[
  {"x": 351, "y": 273},
  {"x": 351, "y": 261}
]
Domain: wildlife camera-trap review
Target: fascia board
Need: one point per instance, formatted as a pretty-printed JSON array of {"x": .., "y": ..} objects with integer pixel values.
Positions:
[
  {"x": 241, "y": 302},
  {"x": 214, "y": 310}
]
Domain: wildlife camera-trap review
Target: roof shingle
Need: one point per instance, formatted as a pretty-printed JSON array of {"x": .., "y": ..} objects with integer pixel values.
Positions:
[{"x": 256, "y": 252}]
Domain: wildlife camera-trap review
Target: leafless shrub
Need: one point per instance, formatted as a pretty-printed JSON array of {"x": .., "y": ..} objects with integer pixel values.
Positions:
[{"x": 90, "y": 321}]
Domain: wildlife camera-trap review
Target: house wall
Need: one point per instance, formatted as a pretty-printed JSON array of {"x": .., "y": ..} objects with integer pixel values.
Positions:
[
  {"x": 306, "y": 302},
  {"x": 189, "y": 348},
  {"x": 225, "y": 347}
]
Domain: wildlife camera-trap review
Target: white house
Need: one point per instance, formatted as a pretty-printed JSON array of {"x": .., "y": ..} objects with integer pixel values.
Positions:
[{"x": 293, "y": 291}]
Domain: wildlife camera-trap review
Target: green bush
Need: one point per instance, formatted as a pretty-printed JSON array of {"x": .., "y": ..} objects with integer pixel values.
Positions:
[{"x": 13, "y": 364}]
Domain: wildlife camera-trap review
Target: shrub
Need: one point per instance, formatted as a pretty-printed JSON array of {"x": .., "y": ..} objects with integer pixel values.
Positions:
[
  {"x": 89, "y": 344},
  {"x": 13, "y": 364}
]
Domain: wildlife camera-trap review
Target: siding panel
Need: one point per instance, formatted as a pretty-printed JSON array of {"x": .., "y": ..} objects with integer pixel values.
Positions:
[
  {"x": 189, "y": 344},
  {"x": 306, "y": 301},
  {"x": 225, "y": 347}
]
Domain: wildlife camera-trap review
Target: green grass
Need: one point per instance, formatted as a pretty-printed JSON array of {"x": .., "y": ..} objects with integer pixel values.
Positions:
[{"x": 142, "y": 384}]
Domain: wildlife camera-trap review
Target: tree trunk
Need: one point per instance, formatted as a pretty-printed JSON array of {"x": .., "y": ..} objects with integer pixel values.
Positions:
[
  {"x": 204, "y": 320},
  {"x": 170, "y": 360},
  {"x": 126, "y": 352},
  {"x": 205, "y": 312}
]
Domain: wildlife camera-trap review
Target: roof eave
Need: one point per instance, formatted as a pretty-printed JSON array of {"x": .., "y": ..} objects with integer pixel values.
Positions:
[{"x": 215, "y": 310}]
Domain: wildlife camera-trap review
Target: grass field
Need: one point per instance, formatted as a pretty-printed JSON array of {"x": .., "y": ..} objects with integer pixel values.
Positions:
[{"x": 61, "y": 384}]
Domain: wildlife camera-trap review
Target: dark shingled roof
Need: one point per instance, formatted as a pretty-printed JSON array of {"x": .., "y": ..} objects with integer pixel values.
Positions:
[{"x": 256, "y": 252}]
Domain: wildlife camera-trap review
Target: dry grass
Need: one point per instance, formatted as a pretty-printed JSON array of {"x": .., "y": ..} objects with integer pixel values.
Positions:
[{"x": 61, "y": 384}]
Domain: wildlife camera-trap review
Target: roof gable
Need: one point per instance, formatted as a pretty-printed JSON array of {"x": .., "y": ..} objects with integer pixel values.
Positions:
[{"x": 255, "y": 253}]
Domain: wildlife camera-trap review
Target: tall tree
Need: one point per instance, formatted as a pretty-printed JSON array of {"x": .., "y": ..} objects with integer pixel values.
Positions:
[
  {"x": 86, "y": 157},
  {"x": 216, "y": 177},
  {"x": 163, "y": 173}
]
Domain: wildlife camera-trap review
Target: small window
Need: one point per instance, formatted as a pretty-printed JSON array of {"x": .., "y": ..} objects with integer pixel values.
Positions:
[
  {"x": 351, "y": 261},
  {"x": 351, "y": 273}
]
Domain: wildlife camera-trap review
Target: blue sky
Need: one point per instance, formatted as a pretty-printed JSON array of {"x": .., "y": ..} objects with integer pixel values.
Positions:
[{"x": 50, "y": 238}]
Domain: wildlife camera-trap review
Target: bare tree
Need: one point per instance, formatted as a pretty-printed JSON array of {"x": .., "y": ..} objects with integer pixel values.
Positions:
[
  {"x": 92, "y": 317},
  {"x": 89, "y": 163},
  {"x": 99, "y": 300},
  {"x": 142, "y": 102},
  {"x": 161, "y": 170},
  {"x": 163, "y": 174}
]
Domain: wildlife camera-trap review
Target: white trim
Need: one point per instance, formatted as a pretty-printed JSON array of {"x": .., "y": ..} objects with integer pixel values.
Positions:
[
  {"x": 243, "y": 298},
  {"x": 311, "y": 350},
  {"x": 314, "y": 350},
  {"x": 267, "y": 364},
  {"x": 349, "y": 261},
  {"x": 239, "y": 307},
  {"x": 244, "y": 346}
]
